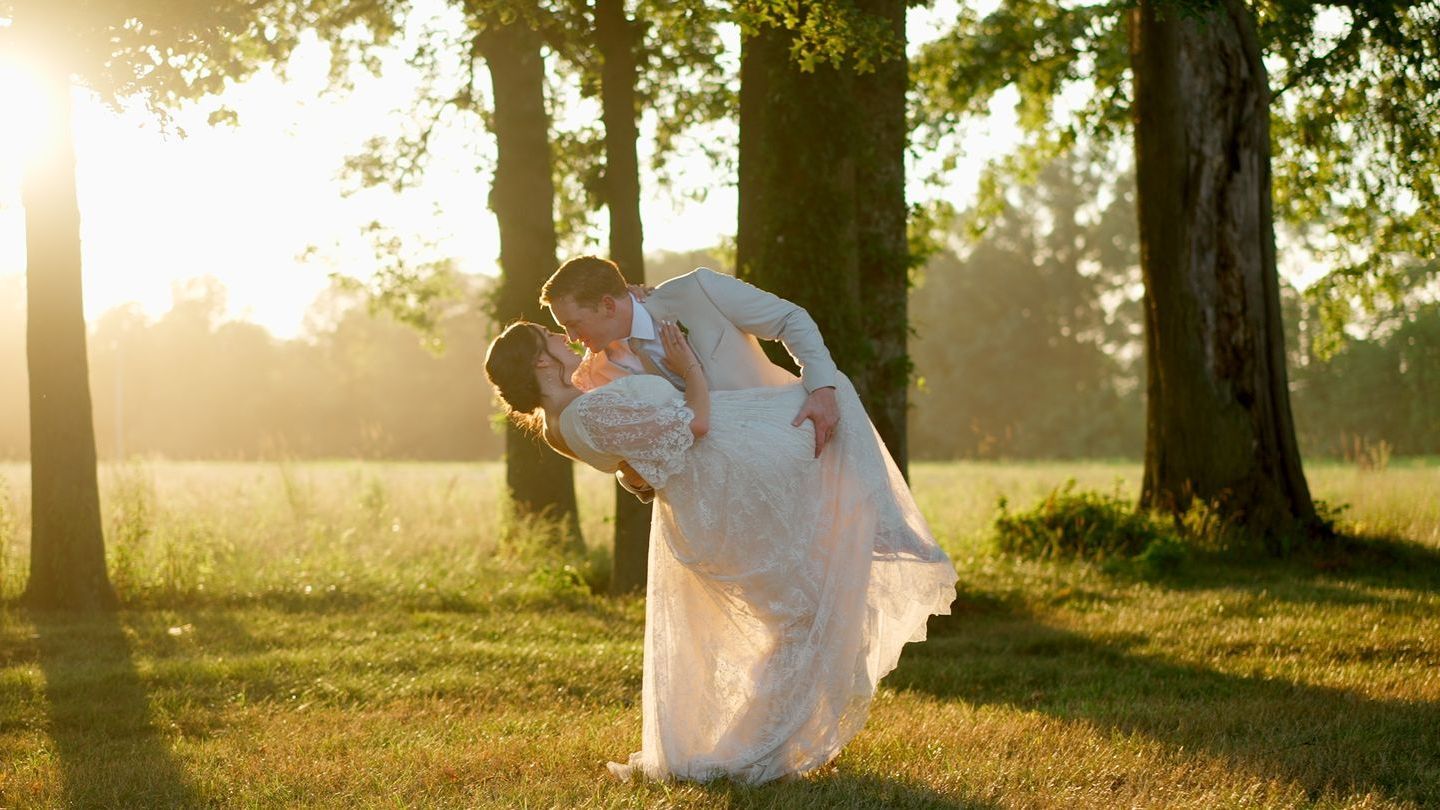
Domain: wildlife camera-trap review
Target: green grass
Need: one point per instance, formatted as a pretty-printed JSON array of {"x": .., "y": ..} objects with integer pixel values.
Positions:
[{"x": 346, "y": 634}]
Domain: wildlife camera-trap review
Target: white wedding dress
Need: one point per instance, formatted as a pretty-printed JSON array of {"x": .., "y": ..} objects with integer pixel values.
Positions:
[{"x": 781, "y": 586}]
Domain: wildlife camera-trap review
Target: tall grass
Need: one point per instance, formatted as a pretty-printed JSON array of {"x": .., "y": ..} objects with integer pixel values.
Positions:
[{"x": 10, "y": 522}]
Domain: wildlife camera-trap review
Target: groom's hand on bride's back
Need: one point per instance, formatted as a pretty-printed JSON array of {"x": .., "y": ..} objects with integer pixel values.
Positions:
[{"x": 823, "y": 412}]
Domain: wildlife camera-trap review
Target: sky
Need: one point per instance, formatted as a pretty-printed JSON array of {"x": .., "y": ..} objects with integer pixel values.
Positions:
[{"x": 262, "y": 206}]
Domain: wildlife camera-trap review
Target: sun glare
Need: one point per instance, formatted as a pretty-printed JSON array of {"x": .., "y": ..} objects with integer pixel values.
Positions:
[{"x": 29, "y": 108}]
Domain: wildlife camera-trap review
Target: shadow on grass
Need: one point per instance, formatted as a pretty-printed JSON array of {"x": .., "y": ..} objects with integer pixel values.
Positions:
[
  {"x": 1321, "y": 739},
  {"x": 111, "y": 753},
  {"x": 1321, "y": 573},
  {"x": 834, "y": 790},
  {"x": 503, "y": 601}
]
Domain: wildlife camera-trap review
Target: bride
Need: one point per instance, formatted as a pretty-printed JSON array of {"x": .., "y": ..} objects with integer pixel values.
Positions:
[{"x": 781, "y": 586}]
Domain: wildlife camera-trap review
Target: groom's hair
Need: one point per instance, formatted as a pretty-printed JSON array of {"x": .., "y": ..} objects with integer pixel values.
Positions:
[{"x": 584, "y": 280}]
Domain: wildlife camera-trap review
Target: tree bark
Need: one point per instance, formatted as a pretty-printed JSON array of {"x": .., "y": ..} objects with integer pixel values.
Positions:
[
  {"x": 822, "y": 216},
  {"x": 67, "y": 547},
  {"x": 797, "y": 228},
  {"x": 616, "y": 37},
  {"x": 883, "y": 241},
  {"x": 1218, "y": 421},
  {"x": 540, "y": 481}
]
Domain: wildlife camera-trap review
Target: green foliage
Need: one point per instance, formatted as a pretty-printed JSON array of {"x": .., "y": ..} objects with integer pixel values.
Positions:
[
  {"x": 1090, "y": 526},
  {"x": 835, "y": 33},
  {"x": 683, "y": 77},
  {"x": 131, "y": 506},
  {"x": 167, "y": 53},
  {"x": 579, "y": 172},
  {"x": 1041, "y": 48},
  {"x": 540, "y": 540},
  {"x": 1354, "y": 148},
  {"x": 1367, "y": 397},
  {"x": 417, "y": 294}
]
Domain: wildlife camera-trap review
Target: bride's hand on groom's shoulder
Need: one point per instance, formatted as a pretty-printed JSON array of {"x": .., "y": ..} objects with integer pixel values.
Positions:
[{"x": 640, "y": 291}]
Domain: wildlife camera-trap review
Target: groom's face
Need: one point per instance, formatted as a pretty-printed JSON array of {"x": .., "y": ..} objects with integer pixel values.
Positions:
[{"x": 594, "y": 326}]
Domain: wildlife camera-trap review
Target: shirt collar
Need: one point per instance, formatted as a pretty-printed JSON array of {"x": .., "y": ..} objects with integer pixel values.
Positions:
[{"x": 642, "y": 325}]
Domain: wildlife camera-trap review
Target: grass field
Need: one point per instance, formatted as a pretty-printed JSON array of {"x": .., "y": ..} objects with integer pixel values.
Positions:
[{"x": 349, "y": 635}]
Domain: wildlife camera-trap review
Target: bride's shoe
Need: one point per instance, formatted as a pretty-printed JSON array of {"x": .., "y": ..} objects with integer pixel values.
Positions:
[{"x": 621, "y": 772}]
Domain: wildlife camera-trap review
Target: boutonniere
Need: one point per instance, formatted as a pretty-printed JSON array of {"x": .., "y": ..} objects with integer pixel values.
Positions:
[{"x": 684, "y": 330}]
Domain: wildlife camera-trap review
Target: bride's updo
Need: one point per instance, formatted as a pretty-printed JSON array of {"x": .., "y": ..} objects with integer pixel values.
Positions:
[{"x": 510, "y": 367}]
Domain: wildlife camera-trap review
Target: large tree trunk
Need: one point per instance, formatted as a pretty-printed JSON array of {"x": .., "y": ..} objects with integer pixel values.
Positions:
[
  {"x": 797, "y": 214},
  {"x": 822, "y": 217},
  {"x": 67, "y": 546},
  {"x": 1218, "y": 423},
  {"x": 616, "y": 37},
  {"x": 883, "y": 242},
  {"x": 539, "y": 480}
]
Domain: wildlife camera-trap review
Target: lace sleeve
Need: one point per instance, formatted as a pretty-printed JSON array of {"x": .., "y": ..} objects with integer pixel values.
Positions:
[{"x": 653, "y": 437}]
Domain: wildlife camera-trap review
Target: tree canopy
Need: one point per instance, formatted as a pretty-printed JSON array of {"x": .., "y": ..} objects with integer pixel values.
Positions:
[{"x": 1355, "y": 93}]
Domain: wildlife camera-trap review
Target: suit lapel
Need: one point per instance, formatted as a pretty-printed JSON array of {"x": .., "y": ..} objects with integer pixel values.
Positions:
[{"x": 704, "y": 337}]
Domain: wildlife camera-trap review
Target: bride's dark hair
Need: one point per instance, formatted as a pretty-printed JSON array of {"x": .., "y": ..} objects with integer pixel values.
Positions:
[{"x": 510, "y": 367}]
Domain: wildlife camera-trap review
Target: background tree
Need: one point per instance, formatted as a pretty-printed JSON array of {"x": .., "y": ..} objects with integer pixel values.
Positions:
[
  {"x": 882, "y": 239},
  {"x": 523, "y": 198},
  {"x": 617, "y": 38},
  {"x": 1235, "y": 315},
  {"x": 162, "y": 53},
  {"x": 822, "y": 216},
  {"x": 67, "y": 547},
  {"x": 14, "y": 393},
  {"x": 663, "y": 58},
  {"x": 353, "y": 385},
  {"x": 1027, "y": 339},
  {"x": 1218, "y": 421},
  {"x": 629, "y": 64},
  {"x": 1372, "y": 391},
  {"x": 507, "y": 40}
]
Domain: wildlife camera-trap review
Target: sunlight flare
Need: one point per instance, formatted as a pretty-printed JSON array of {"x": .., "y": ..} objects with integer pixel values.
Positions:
[{"x": 33, "y": 107}]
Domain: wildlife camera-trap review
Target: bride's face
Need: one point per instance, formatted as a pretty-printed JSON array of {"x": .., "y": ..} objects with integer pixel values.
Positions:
[{"x": 558, "y": 346}]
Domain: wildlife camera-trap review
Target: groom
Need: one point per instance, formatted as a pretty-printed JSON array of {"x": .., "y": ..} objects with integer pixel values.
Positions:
[{"x": 723, "y": 316}]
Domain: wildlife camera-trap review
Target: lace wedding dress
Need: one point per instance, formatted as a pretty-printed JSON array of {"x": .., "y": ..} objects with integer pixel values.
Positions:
[{"x": 781, "y": 586}]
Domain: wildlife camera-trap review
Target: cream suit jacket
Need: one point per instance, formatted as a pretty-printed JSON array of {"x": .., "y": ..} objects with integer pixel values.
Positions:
[{"x": 726, "y": 319}]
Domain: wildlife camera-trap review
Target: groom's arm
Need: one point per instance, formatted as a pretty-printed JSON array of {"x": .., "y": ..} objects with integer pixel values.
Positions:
[
  {"x": 769, "y": 317},
  {"x": 633, "y": 483}
]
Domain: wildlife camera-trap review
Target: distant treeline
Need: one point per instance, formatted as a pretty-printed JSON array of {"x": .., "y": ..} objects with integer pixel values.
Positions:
[
  {"x": 1027, "y": 347},
  {"x": 1032, "y": 346},
  {"x": 191, "y": 386}
]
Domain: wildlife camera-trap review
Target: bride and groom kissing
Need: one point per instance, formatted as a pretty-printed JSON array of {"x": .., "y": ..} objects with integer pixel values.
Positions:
[{"x": 788, "y": 562}]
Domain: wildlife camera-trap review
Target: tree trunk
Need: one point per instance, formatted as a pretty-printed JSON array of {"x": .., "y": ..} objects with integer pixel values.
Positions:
[
  {"x": 797, "y": 228},
  {"x": 1218, "y": 422},
  {"x": 883, "y": 241},
  {"x": 615, "y": 35},
  {"x": 539, "y": 480},
  {"x": 822, "y": 219},
  {"x": 67, "y": 547}
]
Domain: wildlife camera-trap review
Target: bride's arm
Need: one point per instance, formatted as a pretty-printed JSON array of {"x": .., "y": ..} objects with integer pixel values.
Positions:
[
  {"x": 682, "y": 360},
  {"x": 632, "y": 480}
]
